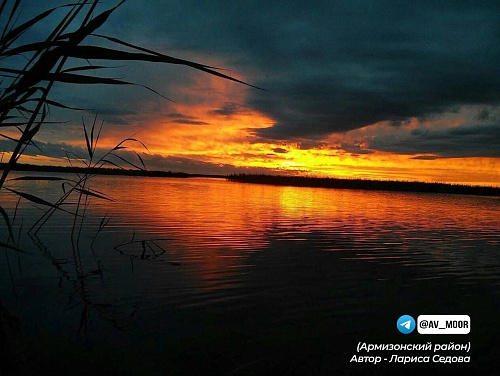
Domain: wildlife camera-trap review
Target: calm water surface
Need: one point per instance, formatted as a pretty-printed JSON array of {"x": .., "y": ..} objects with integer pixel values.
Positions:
[{"x": 208, "y": 276}]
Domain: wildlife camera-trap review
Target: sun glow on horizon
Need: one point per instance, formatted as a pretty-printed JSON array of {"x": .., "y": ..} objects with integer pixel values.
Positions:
[{"x": 216, "y": 127}]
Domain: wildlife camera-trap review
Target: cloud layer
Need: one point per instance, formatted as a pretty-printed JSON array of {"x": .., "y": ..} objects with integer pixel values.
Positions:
[
  {"x": 336, "y": 66},
  {"x": 354, "y": 77}
]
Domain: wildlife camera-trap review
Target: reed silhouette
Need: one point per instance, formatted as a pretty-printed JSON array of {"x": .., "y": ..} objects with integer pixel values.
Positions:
[
  {"x": 28, "y": 73},
  {"x": 62, "y": 56}
]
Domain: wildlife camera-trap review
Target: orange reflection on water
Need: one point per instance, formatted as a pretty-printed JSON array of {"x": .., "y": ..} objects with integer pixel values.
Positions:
[
  {"x": 216, "y": 226},
  {"x": 212, "y": 228}
]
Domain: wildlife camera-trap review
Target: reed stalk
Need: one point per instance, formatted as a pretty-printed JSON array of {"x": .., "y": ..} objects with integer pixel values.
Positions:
[{"x": 62, "y": 56}]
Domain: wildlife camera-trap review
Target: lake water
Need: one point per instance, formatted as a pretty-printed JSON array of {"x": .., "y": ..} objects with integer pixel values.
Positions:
[{"x": 205, "y": 276}]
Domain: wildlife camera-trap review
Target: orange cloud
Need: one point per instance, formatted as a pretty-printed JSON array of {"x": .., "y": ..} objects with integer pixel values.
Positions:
[{"x": 211, "y": 123}]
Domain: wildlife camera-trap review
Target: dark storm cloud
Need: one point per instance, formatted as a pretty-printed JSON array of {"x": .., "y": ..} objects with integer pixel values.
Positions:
[
  {"x": 179, "y": 118},
  {"x": 52, "y": 150},
  {"x": 189, "y": 122},
  {"x": 228, "y": 109},
  {"x": 172, "y": 163},
  {"x": 398, "y": 69},
  {"x": 331, "y": 66},
  {"x": 425, "y": 157},
  {"x": 280, "y": 150},
  {"x": 354, "y": 149},
  {"x": 462, "y": 141},
  {"x": 337, "y": 66}
]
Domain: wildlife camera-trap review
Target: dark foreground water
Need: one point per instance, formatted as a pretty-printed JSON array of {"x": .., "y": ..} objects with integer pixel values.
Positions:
[{"x": 205, "y": 276}]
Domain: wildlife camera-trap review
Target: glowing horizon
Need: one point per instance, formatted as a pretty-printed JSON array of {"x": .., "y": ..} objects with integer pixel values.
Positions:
[
  {"x": 377, "y": 104},
  {"x": 200, "y": 133},
  {"x": 228, "y": 141},
  {"x": 218, "y": 131}
]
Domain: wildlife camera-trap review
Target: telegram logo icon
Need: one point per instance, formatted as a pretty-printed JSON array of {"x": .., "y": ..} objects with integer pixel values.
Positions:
[{"x": 406, "y": 324}]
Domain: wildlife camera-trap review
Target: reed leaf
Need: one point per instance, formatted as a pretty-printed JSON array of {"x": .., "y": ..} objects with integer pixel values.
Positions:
[
  {"x": 140, "y": 158},
  {"x": 27, "y": 90},
  {"x": 2, "y": 6},
  {"x": 29, "y": 47},
  {"x": 72, "y": 78},
  {"x": 41, "y": 178},
  {"x": 11, "y": 15},
  {"x": 36, "y": 199},
  {"x": 60, "y": 105},
  {"x": 104, "y": 222},
  {"x": 84, "y": 68},
  {"x": 12, "y": 124},
  {"x": 12, "y": 70},
  {"x": 8, "y": 246},
  {"x": 31, "y": 198},
  {"x": 92, "y": 193},
  {"x": 15, "y": 33},
  {"x": 129, "y": 139},
  {"x": 104, "y": 53},
  {"x": 87, "y": 141},
  {"x": 107, "y": 161},
  {"x": 7, "y": 222},
  {"x": 9, "y": 138},
  {"x": 85, "y": 30},
  {"x": 30, "y": 133},
  {"x": 90, "y": 141},
  {"x": 91, "y": 152},
  {"x": 38, "y": 72},
  {"x": 130, "y": 163}
]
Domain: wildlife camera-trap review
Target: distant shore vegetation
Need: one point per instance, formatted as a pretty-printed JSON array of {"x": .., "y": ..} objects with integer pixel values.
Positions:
[
  {"x": 95, "y": 170},
  {"x": 365, "y": 184},
  {"x": 282, "y": 180}
]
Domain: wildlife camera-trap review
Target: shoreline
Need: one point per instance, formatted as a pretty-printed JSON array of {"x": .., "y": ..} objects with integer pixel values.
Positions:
[
  {"x": 104, "y": 171},
  {"x": 282, "y": 180},
  {"x": 365, "y": 184}
]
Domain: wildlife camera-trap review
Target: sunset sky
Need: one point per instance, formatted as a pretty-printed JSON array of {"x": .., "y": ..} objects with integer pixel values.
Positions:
[{"x": 400, "y": 90}]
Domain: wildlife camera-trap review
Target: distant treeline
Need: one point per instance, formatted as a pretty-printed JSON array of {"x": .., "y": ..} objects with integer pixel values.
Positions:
[
  {"x": 382, "y": 185},
  {"x": 95, "y": 171}
]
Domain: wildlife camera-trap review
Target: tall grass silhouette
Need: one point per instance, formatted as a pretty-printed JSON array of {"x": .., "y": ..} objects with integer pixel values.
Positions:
[
  {"x": 30, "y": 69},
  {"x": 32, "y": 63}
]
